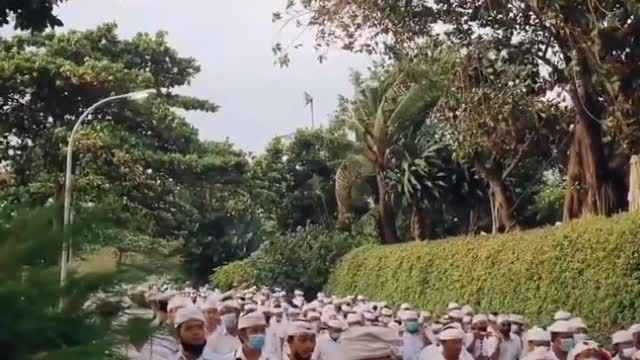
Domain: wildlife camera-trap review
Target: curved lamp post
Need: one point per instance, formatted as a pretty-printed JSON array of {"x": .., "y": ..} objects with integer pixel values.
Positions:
[{"x": 66, "y": 245}]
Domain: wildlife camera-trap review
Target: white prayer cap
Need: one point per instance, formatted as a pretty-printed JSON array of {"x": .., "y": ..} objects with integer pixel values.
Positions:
[
  {"x": 209, "y": 304},
  {"x": 537, "y": 334},
  {"x": 635, "y": 328},
  {"x": 492, "y": 318},
  {"x": 368, "y": 342},
  {"x": 479, "y": 318},
  {"x": 320, "y": 295},
  {"x": 251, "y": 319},
  {"x": 560, "y": 326},
  {"x": 562, "y": 315},
  {"x": 518, "y": 319},
  {"x": 502, "y": 319},
  {"x": 313, "y": 315},
  {"x": 361, "y": 298},
  {"x": 178, "y": 302},
  {"x": 187, "y": 313},
  {"x": 349, "y": 298},
  {"x": 467, "y": 310},
  {"x": 466, "y": 319},
  {"x": 456, "y": 314},
  {"x": 580, "y": 347},
  {"x": 250, "y": 307},
  {"x": 231, "y": 303},
  {"x": 436, "y": 327},
  {"x": 450, "y": 333},
  {"x": 354, "y": 319},
  {"x": 409, "y": 315},
  {"x": 426, "y": 314},
  {"x": 298, "y": 293},
  {"x": 336, "y": 324},
  {"x": 621, "y": 336},
  {"x": 297, "y": 328},
  {"x": 453, "y": 305},
  {"x": 405, "y": 306},
  {"x": 577, "y": 323},
  {"x": 386, "y": 312}
]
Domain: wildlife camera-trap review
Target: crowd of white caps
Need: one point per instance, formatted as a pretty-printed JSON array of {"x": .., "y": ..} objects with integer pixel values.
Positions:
[{"x": 265, "y": 323}]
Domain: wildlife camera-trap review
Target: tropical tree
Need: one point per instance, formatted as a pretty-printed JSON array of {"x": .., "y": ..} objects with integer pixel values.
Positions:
[
  {"x": 34, "y": 15},
  {"x": 391, "y": 102}
]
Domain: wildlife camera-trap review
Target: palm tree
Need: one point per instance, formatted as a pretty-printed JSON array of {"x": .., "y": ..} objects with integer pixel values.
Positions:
[{"x": 386, "y": 106}]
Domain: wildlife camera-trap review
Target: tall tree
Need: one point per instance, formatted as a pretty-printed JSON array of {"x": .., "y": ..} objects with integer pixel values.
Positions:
[{"x": 34, "y": 15}]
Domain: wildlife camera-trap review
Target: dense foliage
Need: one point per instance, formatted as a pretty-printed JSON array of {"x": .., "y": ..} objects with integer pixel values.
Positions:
[{"x": 588, "y": 267}]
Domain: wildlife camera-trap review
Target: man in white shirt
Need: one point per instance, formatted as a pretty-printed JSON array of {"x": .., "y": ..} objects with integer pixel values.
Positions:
[
  {"x": 210, "y": 311},
  {"x": 623, "y": 345},
  {"x": 413, "y": 339},
  {"x": 327, "y": 345},
  {"x": 252, "y": 334},
  {"x": 450, "y": 347},
  {"x": 509, "y": 344},
  {"x": 480, "y": 342},
  {"x": 538, "y": 343},
  {"x": 561, "y": 339},
  {"x": 226, "y": 341},
  {"x": 301, "y": 341},
  {"x": 191, "y": 334}
]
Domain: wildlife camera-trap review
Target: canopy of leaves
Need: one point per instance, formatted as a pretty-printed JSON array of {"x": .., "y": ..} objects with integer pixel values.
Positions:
[{"x": 34, "y": 15}]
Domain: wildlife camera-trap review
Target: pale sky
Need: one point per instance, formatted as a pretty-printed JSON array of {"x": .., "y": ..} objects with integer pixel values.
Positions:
[{"x": 232, "y": 40}]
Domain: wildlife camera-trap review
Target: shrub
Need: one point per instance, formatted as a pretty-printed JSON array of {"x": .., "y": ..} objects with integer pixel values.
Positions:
[
  {"x": 589, "y": 267},
  {"x": 235, "y": 274},
  {"x": 300, "y": 260}
]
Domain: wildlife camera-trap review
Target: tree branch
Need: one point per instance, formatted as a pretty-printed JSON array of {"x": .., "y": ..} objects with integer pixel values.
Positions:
[{"x": 518, "y": 157}]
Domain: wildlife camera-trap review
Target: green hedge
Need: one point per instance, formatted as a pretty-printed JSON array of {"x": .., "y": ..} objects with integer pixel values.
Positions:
[
  {"x": 300, "y": 260},
  {"x": 590, "y": 267}
]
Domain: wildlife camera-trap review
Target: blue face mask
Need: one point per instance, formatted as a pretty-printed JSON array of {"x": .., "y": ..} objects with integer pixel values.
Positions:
[
  {"x": 256, "y": 342},
  {"x": 566, "y": 344},
  {"x": 411, "y": 327}
]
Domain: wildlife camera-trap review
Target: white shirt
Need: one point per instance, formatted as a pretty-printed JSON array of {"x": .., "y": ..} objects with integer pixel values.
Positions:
[
  {"x": 511, "y": 348},
  {"x": 159, "y": 347},
  {"x": 273, "y": 344},
  {"x": 223, "y": 343},
  {"x": 206, "y": 355},
  {"x": 238, "y": 354},
  {"x": 412, "y": 346},
  {"x": 326, "y": 349},
  {"x": 434, "y": 352}
]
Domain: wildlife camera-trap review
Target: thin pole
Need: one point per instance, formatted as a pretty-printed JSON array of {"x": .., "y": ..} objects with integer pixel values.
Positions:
[
  {"x": 66, "y": 242},
  {"x": 313, "y": 123}
]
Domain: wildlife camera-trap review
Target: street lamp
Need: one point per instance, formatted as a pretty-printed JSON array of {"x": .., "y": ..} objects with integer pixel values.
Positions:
[{"x": 66, "y": 243}]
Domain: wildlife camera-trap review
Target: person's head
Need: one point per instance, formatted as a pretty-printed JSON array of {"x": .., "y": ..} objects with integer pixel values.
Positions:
[
  {"x": 480, "y": 323},
  {"x": 176, "y": 303},
  {"x": 635, "y": 332},
  {"x": 537, "y": 338},
  {"x": 451, "y": 340},
  {"x": 210, "y": 311},
  {"x": 229, "y": 313},
  {"x": 293, "y": 314},
  {"x": 456, "y": 315},
  {"x": 586, "y": 350},
  {"x": 355, "y": 319},
  {"x": 301, "y": 338},
  {"x": 410, "y": 321},
  {"x": 561, "y": 336},
  {"x": 314, "y": 318},
  {"x": 190, "y": 330},
  {"x": 278, "y": 313},
  {"x": 623, "y": 344},
  {"x": 370, "y": 343},
  {"x": 335, "y": 328},
  {"x": 252, "y": 328},
  {"x": 504, "y": 324},
  {"x": 517, "y": 324}
]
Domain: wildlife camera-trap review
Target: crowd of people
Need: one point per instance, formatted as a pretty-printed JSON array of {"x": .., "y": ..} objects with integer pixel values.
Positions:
[{"x": 257, "y": 324}]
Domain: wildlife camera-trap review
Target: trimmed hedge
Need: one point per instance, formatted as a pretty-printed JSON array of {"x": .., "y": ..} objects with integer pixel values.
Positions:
[
  {"x": 589, "y": 267},
  {"x": 236, "y": 274}
]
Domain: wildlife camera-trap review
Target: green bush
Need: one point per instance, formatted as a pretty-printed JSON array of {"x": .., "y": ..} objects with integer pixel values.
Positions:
[
  {"x": 590, "y": 267},
  {"x": 301, "y": 260},
  {"x": 235, "y": 274}
]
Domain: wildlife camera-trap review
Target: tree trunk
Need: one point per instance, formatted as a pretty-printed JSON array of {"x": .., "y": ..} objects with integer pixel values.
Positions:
[
  {"x": 385, "y": 207},
  {"x": 502, "y": 206},
  {"x": 419, "y": 223},
  {"x": 587, "y": 171},
  {"x": 634, "y": 184}
]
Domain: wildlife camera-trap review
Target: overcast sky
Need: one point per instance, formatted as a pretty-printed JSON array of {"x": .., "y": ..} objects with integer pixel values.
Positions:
[{"x": 232, "y": 40}]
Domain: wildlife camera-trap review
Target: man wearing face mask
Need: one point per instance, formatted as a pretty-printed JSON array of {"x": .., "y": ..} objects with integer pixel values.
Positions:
[
  {"x": 561, "y": 340},
  {"x": 327, "y": 346},
  {"x": 226, "y": 341},
  {"x": 623, "y": 345},
  {"x": 413, "y": 339},
  {"x": 252, "y": 333},
  {"x": 191, "y": 334}
]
